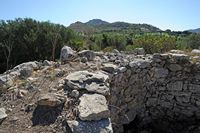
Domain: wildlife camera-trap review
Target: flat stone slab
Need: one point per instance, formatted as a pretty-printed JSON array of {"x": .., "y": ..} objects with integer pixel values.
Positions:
[
  {"x": 101, "y": 126},
  {"x": 92, "y": 82},
  {"x": 93, "y": 107}
]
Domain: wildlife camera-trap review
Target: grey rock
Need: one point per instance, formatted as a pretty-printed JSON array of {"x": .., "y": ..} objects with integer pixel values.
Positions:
[
  {"x": 180, "y": 57},
  {"x": 175, "y": 67},
  {"x": 75, "y": 93},
  {"x": 5, "y": 82},
  {"x": 176, "y": 51},
  {"x": 26, "y": 69},
  {"x": 3, "y": 114},
  {"x": 92, "y": 82},
  {"x": 195, "y": 51},
  {"x": 51, "y": 100},
  {"x": 93, "y": 107},
  {"x": 160, "y": 72},
  {"x": 115, "y": 51},
  {"x": 178, "y": 85},
  {"x": 101, "y": 126},
  {"x": 140, "y": 63},
  {"x": 47, "y": 63},
  {"x": 122, "y": 69},
  {"x": 108, "y": 67},
  {"x": 90, "y": 55},
  {"x": 67, "y": 54},
  {"x": 139, "y": 51},
  {"x": 84, "y": 59}
]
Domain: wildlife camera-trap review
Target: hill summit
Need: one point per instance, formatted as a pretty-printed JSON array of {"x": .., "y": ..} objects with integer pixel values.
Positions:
[{"x": 98, "y": 26}]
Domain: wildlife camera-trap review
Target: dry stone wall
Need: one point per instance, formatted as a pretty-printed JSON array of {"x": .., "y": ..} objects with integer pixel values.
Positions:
[{"x": 162, "y": 87}]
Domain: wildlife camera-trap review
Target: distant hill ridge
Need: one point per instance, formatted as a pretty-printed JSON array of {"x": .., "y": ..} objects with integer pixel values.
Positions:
[
  {"x": 195, "y": 30},
  {"x": 98, "y": 25}
]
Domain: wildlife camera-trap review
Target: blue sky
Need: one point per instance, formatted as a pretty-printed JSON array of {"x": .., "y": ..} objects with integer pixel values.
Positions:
[{"x": 165, "y": 14}]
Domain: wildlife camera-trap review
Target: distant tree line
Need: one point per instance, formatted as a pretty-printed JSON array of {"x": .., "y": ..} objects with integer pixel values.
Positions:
[{"x": 152, "y": 42}]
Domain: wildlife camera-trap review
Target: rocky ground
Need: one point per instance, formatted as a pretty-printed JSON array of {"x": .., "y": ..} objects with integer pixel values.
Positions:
[{"x": 74, "y": 95}]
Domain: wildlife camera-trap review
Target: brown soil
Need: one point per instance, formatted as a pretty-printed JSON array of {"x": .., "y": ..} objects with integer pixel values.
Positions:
[{"x": 25, "y": 117}]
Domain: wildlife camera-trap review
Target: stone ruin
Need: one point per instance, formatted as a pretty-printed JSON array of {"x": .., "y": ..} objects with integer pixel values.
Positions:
[{"x": 134, "y": 93}]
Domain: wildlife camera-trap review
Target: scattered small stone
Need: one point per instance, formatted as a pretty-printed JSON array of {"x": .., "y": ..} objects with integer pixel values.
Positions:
[{"x": 75, "y": 94}]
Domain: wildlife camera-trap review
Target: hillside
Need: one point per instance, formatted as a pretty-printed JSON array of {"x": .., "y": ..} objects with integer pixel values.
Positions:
[
  {"x": 96, "y": 22},
  {"x": 195, "y": 30},
  {"x": 97, "y": 26}
]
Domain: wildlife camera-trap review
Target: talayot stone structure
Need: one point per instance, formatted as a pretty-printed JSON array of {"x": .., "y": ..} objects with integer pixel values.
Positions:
[{"x": 126, "y": 93}]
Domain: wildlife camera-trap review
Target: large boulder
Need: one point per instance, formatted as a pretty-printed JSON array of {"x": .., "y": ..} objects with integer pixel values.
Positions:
[
  {"x": 92, "y": 82},
  {"x": 51, "y": 100},
  {"x": 90, "y": 55},
  {"x": 67, "y": 54},
  {"x": 93, "y": 107},
  {"x": 101, "y": 126}
]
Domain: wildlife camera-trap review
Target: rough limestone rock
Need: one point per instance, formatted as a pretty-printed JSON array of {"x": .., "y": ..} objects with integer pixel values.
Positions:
[
  {"x": 47, "y": 63},
  {"x": 175, "y": 67},
  {"x": 51, "y": 100},
  {"x": 140, "y": 63},
  {"x": 160, "y": 72},
  {"x": 93, "y": 107},
  {"x": 92, "y": 82},
  {"x": 5, "y": 82},
  {"x": 108, "y": 67},
  {"x": 195, "y": 51},
  {"x": 26, "y": 69},
  {"x": 101, "y": 126},
  {"x": 66, "y": 54},
  {"x": 3, "y": 114},
  {"x": 90, "y": 55}
]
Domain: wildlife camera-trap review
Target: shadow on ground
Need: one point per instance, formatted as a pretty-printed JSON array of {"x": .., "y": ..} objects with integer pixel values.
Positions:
[{"x": 43, "y": 115}]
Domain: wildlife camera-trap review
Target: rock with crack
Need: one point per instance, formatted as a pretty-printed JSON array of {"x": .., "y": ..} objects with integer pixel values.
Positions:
[
  {"x": 3, "y": 114},
  {"x": 51, "y": 100},
  {"x": 101, "y": 126},
  {"x": 92, "y": 82},
  {"x": 93, "y": 107}
]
